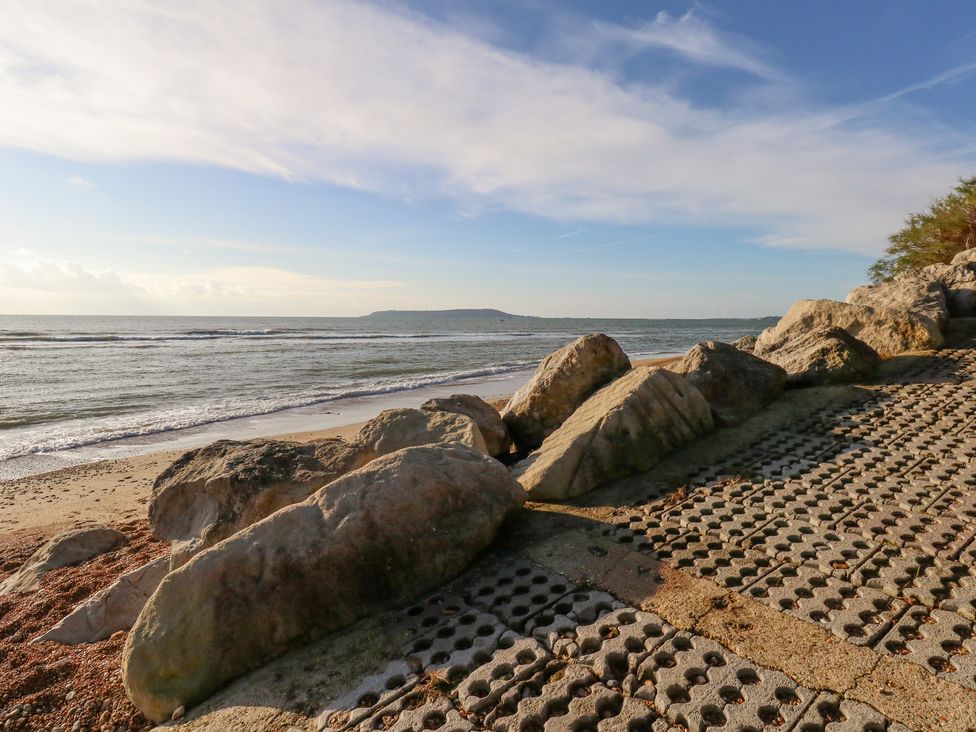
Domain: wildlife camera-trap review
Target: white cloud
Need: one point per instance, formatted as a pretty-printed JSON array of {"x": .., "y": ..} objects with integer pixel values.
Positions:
[
  {"x": 24, "y": 272},
  {"x": 35, "y": 285},
  {"x": 77, "y": 180},
  {"x": 370, "y": 98}
]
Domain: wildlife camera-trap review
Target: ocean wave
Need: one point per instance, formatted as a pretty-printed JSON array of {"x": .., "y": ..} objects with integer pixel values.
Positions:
[
  {"x": 26, "y": 339},
  {"x": 238, "y": 332},
  {"x": 99, "y": 431}
]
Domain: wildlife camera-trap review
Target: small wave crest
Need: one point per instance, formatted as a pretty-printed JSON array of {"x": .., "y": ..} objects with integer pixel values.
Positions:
[{"x": 13, "y": 338}]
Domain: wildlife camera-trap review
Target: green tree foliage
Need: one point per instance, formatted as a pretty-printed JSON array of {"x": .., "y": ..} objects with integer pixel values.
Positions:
[{"x": 932, "y": 237}]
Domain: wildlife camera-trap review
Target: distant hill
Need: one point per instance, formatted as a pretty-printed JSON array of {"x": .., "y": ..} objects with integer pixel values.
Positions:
[{"x": 461, "y": 313}]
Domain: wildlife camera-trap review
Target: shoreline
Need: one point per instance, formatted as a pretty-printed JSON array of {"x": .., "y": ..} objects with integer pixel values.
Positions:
[{"x": 106, "y": 485}]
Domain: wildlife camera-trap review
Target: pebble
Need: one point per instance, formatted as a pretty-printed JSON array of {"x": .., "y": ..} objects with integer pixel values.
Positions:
[
  {"x": 178, "y": 713},
  {"x": 70, "y": 695}
]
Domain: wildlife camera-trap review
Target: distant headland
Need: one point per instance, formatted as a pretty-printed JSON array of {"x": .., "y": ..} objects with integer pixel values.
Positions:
[{"x": 459, "y": 313}]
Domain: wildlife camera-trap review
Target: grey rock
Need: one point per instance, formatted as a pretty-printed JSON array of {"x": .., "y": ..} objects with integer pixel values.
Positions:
[
  {"x": 395, "y": 429},
  {"x": 624, "y": 429},
  {"x": 736, "y": 384},
  {"x": 914, "y": 294},
  {"x": 888, "y": 331},
  {"x": 825, "y": 356},
  {"x": 489, "y": 421},
  {"x": 966, "y": 256},
  {"x": 959, "y": 282},
  {"x": 563, "y": 381},
  {"x": 372, "y": 540},
  {"x": 211, "y": 493},
  {"x": 114, "y": 608},
  {"x": 64, "y": 550}
]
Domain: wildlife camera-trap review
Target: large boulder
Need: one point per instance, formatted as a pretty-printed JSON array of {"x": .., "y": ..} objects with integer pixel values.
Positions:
[
  {"x": 114, "y": 608},
  {"x": 914, "y": 294},
  {"x": 563, "y": 381},
  {"x": 826, "y": 355},
  {"x": 212, "y": 492},
  {"x": 736, "y": 384},
  {"x": 959, "y": 281},
  {"x": 489, "y": 421},
  {"x": 623, "y": 429},
  {"x": 887, "y": 331},
  {"x": 395, "y": 429},
  {"x": 64, "y": 550},
  {"x": 372, "y": 540}
]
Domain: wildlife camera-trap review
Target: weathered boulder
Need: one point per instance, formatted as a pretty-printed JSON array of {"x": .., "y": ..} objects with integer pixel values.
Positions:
[
  {"x": 563, "y": 381},
  {"x": 373, "y": 539},
  {"x": 745, "y": 343},
  {"x": 914, "y": 294},
  {"x": 736, "y": 384},
  {"x": 395, "y": 429},
  {"x": 64, "y": 550},
  {"x": 887, "y": 331},
  {"x": 623, "y": 429},
  {"x": 826, "y": 355},
  {"x": 959, "y": 282},
  {"x": 114, "y": 608},
  {"x": 966, "y": 256},
  {"x": 212, "y": 492},
  {"x": 489, "y": 421}
]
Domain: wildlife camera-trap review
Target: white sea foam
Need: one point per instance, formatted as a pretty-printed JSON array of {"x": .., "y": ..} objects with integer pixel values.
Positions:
[{"x": 65, "y": 435}]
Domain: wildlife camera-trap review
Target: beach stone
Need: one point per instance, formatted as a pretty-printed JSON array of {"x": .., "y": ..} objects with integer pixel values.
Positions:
[
  {"x": 395, "y": 429},
  {"x": 888, "y": 331},
  {"x": 113, "y": 609},
  {"x": 64, "y": 550},
  {"x": 563, "y": 381},
  {"x": 624, "y": 429},
  {"x": 736, "y": 384},
  {"x": 212, "y": 492},
  {"x": 370, "y": 541},
  {"x": 959, "y": 281},
  {"x": 914, "y": 294},
  {"x": 489, "y": 421},
  {"x": 745, "y": 343},
  {"x": 826, "y": 355}
]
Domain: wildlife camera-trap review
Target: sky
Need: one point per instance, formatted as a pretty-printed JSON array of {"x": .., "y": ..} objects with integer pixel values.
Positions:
[{"x": 555, "y": 158}]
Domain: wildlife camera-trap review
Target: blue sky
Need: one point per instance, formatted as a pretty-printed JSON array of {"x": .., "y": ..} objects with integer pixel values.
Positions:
[{"x": 631, "y": 159}]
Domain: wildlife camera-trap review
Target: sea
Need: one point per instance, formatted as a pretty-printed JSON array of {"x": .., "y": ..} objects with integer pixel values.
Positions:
[{"x": 81, "y": 388}]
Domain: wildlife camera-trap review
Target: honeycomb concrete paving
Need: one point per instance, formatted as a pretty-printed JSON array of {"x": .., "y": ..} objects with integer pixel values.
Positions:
[{"x": 818, "y": 575}]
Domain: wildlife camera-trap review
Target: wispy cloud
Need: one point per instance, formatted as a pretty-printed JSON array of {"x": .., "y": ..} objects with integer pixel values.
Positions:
[
  {"x": 574, "y": 232},
  {"x": 694, "y": 39},
  {"x": 384, "y": 100},
  {"x": 954, "y": 74},
  {"x": 77, "y": 180}
]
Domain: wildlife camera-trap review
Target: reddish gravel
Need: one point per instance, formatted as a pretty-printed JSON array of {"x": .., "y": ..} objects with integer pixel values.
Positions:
[{"x": 43, "y": 675}]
